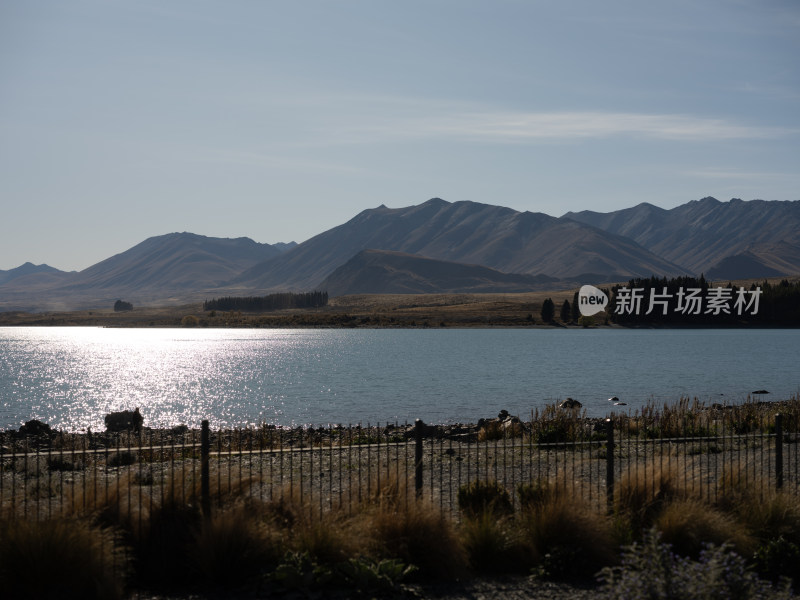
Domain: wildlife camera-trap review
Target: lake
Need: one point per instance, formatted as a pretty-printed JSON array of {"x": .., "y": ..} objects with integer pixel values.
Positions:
[{"x": 71, "y": 377}]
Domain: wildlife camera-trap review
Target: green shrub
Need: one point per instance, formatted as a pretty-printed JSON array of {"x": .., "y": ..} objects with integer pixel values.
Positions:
[
  {"x": 778, "y": 558},
  {"x": 651, "y": 570}
]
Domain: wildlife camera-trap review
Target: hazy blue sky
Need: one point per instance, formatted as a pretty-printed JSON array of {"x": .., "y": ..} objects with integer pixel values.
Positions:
[{"x": 277, "y": 120}]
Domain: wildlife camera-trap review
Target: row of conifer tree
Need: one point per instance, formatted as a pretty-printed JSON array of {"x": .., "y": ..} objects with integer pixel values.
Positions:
[{"x": 270, "y": 302}]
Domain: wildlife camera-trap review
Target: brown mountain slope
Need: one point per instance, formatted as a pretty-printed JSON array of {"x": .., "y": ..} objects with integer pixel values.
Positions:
[{"x": 385, "y": 272}]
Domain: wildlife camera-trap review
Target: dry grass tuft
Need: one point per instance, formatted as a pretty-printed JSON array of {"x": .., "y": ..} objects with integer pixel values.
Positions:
[
  {"x": 568, "y": 537},
  {"x": 493, "y": 545},
  {"x": 419, "y": 535},
  {"x": 688, "y": 524},
  {"x": 775, "y": 515},
  {"x": 643, "y": 491},
  {"x": 234, "y": 546}
]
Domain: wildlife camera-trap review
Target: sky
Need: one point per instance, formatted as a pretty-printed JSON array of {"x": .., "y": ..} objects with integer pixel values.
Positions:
[{"x": 277, "y": 120}]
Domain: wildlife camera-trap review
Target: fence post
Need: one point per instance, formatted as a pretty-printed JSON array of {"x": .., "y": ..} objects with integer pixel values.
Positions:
[
  {"x": 779, "y": 450},
  {"x": 418, "y": 429},
  {"x": 610, "y": 463},
  {"x": 205, "y": 484}
]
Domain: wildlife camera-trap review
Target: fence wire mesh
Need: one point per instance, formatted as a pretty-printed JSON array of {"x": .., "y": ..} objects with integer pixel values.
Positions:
[{"x": 339, "y": 467}]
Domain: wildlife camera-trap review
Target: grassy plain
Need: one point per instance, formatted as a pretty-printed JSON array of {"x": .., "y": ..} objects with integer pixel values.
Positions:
[
  {"x": 359, "y": 310},
  {"x": 367, "y": 310}
]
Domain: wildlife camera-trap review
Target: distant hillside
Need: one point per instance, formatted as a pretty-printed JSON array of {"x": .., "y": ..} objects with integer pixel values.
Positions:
[
  {"x": 741, "y": 266},
  {"x": 464, "y": 232},
  {"x": 29, "y": 269},
  {"x": 385, "y": 272},
  {"x": 164, "y": 269},
  {"x": 175, "y": 261},
  {"x": 701, "y": 234}
]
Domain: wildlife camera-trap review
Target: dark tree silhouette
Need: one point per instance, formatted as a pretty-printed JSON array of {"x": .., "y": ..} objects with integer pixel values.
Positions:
[
  {"x": 566, "y": 312},
  {"x": 548, "y": 310},
  {"x": 120, "y": 306}
]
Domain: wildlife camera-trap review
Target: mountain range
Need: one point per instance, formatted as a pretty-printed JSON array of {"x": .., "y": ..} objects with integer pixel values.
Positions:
[{"x": 435, "y": 247}]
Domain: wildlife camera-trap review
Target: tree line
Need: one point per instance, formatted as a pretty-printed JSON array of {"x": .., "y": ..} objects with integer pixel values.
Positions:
[{"x": 270, "y": 302}]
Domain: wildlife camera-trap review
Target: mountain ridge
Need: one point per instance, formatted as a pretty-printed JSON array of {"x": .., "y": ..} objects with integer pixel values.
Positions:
[
  {"x": 484, "y": 246},
  {"x": 702, "y": 233},
  {"x": 466, "y": 232}
]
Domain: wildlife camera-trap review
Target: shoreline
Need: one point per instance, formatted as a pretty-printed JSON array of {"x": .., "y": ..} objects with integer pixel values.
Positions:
[{"x": 500, "y": 426}]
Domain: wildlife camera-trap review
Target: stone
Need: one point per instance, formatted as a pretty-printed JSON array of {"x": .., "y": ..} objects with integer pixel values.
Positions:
[
  {"x": 570, "y": 404},
  {"x": 126, "y": 420},
  {"x": 35, "y": 428}
]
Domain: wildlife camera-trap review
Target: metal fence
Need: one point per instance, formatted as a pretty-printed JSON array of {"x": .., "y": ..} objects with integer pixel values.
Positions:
[{"x": 338, "y": 468}]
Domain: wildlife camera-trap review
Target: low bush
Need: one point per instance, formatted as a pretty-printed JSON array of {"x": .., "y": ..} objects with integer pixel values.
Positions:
[
  {"x": 493, "y": 545},
  {"x": 418, "y": 534},
  {"x": 123, "y": 458},
  {"x": 567, "y": 538},
  {"x": 651, "y": 570},
  {"x": 233, "y": 547}
]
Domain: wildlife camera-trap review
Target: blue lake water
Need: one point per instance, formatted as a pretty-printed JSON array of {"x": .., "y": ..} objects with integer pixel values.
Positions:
[{"x": 72, "y": 377}]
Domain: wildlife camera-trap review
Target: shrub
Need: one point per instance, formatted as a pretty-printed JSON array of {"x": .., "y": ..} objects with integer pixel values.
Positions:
[
  {"x": 651, "y": 570},
  {"x": 361, "y": 577},
  {"x": 567, "y": 537},
  {"x": 190, "y": 321},
  {"x": 778, "y": 558},
  {"x": 59, "y": 463},
  {"x": 62, "y": 558},
  {"x": 479, "y": 497},
  {"x": 419, "y": 535},
  {"x": 121, "y": 459},
  {"x": 492, "y": 545},
  {"x": 326, "y": 541},
  {"x": 163, "y": 545},
  {"x": 534, "y": 494},
  {"x": 233, "y": 547}
]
